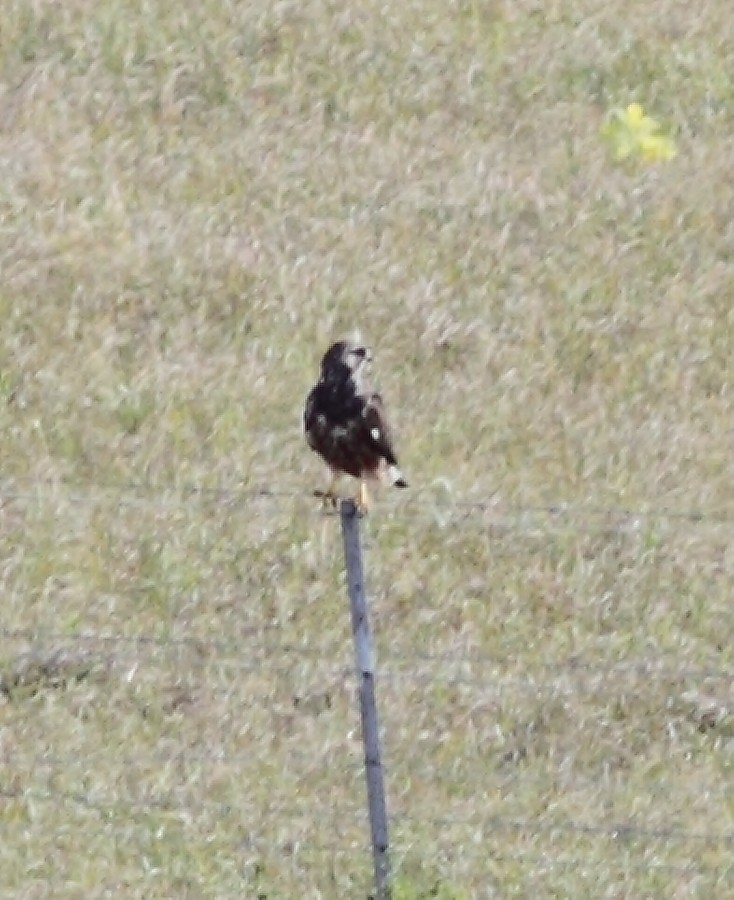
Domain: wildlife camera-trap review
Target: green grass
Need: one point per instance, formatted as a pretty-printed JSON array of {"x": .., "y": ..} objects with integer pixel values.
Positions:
[{"x": 194, "y": 200}]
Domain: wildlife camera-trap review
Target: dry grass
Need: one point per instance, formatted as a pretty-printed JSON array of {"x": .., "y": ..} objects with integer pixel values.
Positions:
[{"x": 195, "y": 198}]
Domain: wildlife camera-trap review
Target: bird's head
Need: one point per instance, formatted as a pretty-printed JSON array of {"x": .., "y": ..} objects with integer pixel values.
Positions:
[{"x": 346, "y": 359}]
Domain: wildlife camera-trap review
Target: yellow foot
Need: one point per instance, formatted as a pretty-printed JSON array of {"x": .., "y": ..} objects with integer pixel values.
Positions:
[
  {"x": 329, "y": 497},
  {"x": 362, "y": 500},
  {"x": 329, "y": 500}
]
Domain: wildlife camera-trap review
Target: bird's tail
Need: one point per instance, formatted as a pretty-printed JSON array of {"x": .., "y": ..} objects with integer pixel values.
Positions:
[{"x": 396, "y": 477}]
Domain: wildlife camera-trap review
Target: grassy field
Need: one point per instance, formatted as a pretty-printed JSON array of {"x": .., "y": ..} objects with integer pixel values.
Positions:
[{"x": 194, "y": 200}]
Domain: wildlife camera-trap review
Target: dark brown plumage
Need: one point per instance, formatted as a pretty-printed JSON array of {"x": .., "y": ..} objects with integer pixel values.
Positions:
[{"x": 345, "y": 421}]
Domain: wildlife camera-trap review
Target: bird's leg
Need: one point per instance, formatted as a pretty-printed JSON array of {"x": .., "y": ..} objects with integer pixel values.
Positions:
[
  {"x": 329, "y": 497},
  {"x": 363, "y": 500}
]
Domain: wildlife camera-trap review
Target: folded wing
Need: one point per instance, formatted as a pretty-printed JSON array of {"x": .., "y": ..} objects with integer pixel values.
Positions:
[{"x": 379, "y": 435}]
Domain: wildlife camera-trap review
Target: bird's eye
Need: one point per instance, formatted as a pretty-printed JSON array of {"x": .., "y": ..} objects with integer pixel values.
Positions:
[{"x": 363, "y": 353}]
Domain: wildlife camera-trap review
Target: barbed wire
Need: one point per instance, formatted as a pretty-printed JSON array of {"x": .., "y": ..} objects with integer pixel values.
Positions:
[
  {"x": 403, "y": 665},
  {"x": 581, "y": 864},
  {"x": 617, "y": 831},
  {"x": 402, "y": 847},
  {"x": 437, "y": 502},
  {"x": 191, "y": 756},
  {"x": 306, "y": 763}
]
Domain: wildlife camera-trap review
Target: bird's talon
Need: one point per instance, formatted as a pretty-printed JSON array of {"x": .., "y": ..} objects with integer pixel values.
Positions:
[{"x": 328, "y": 499}]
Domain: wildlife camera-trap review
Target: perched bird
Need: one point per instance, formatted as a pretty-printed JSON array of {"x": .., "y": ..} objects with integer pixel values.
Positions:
[{"x": 345, "y": 422}]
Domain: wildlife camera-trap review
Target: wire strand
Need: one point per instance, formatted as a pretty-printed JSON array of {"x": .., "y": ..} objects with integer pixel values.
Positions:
[
  {"x": 181, "y": 494},
  {"x": 416, "y": 665},
  {"x": 619, "y": 831}
]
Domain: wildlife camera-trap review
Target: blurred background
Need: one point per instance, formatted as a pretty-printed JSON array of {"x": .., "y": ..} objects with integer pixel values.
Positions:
[{"x": 195, "y": 200}]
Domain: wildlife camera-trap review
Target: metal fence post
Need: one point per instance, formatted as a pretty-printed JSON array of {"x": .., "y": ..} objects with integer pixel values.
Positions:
[{"x": 365, "y": 659}]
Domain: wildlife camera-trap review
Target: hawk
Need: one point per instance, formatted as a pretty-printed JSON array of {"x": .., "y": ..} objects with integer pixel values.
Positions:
[{"x": 346, "y": 425}]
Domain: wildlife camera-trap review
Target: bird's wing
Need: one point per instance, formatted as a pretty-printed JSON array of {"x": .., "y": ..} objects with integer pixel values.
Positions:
[
  {"x": 377, "y": 428},
  {"x": 309, "y": 410}
]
